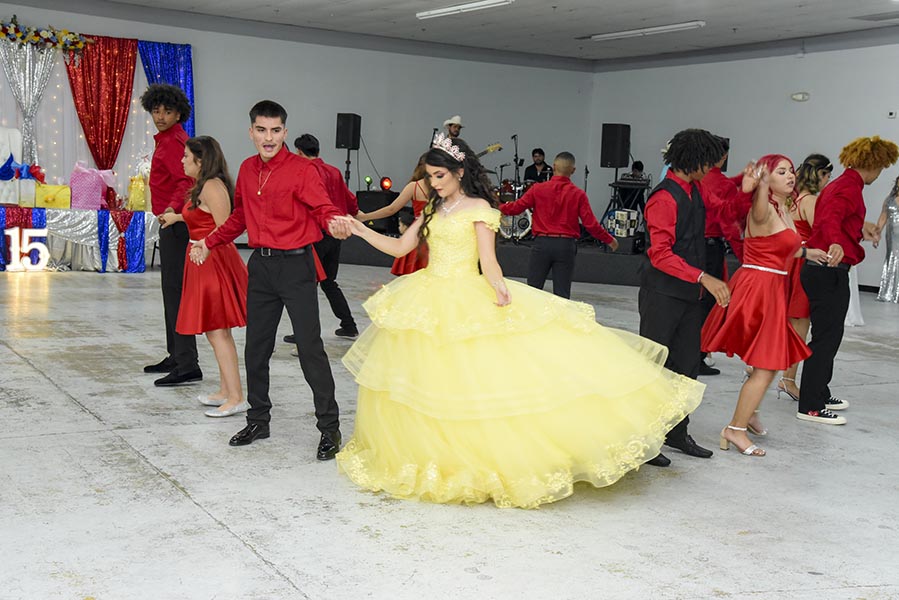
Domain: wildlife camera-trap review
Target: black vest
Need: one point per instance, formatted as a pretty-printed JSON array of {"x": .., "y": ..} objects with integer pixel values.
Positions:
[{"x": 689, "y": 243}]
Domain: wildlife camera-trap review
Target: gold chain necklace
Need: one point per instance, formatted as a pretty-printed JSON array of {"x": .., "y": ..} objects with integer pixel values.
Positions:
[{"x": 261, "y": 184}]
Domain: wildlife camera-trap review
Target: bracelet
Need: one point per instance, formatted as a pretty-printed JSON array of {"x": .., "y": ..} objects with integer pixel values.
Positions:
[{"x": 804, "y": 251}]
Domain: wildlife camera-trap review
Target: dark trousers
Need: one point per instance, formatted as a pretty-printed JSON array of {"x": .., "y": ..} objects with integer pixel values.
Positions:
[
  {"x": 556, "y": 253},
  {"x": 676, "y": 324},
  {"x": 275, "y": 283},
  {"x": 328, "y": 250},
  {"x": 714, "y": 266},
  {"x": 827, "y": 289},
  {"x": 173, "y": 242}
]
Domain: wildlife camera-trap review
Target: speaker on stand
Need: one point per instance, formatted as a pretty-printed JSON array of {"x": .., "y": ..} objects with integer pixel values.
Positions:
[{"x": 349, "y": 132}]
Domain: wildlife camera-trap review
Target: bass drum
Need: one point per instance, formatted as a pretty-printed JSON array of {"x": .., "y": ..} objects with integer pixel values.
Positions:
[{"x": 515, "y": 227}]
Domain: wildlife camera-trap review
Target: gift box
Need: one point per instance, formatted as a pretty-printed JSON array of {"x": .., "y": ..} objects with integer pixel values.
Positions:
[
  {"x": 137, "y": 193},
  {"x": 52, "y": 196},
  {"x": 89, "y": 186}
]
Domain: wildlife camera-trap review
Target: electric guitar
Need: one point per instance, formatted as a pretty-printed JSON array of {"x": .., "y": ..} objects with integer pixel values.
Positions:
[{"x": 489, "y": 149}]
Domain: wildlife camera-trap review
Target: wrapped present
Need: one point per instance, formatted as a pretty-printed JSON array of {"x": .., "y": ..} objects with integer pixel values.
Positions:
[
  {"x": 137, "y": 193},
  {"x": 52, "y": 196},
  {"x": 89, "y": 186},
  {"x": 27, "y": 189}
]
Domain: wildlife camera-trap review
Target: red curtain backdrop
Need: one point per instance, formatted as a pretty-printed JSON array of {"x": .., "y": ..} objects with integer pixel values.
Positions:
[{"x": 102, "y": 82}]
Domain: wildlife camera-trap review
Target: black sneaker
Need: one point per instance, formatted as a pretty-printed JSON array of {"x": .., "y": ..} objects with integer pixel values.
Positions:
[
  {"x": 347, "y": 332},
  {"x": 704, "y": 369},
  {"x": 836, "y": 404},
  {"x": 826, "y": 416}
]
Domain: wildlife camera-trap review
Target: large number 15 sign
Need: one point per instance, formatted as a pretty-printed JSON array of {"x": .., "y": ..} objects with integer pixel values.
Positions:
[{"x": 21, "y": 242}]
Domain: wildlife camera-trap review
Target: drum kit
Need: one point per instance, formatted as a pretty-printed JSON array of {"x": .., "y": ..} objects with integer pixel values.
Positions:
[{"x": 514, "y": 227}]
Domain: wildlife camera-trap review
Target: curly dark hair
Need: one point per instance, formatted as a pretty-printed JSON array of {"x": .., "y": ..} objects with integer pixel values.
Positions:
[
  {"x": 693, "y": 149},
  {"x": 474, "y": 180},
  {"x": 808, "y": 175},
  {"x": 212, "y": 166},
  {"x": 168, "y": 96}
]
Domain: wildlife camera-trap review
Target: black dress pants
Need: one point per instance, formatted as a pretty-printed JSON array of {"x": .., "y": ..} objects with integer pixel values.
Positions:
[
  {"x": 676, "y": 324},
  {"x": 173, "y": 242},
  {"x": 714, "y": 266},
  {"x": 276, "y": 283},
  {"x": 827, "y": 289},
  {"x": 328, "y": 250},
  {"x": 556, "y": 253}
]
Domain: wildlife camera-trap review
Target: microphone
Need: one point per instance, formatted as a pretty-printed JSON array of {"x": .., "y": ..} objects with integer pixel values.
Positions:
[
  {"x": 514, "y": 137},
  {"x": 508, "y": 164}
]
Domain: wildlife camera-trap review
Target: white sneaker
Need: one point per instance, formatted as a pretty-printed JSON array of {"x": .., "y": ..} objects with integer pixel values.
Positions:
[
  {"x": 835, "y": 404},
  {"x": 239, "y": 408},
  {"x": 709, "y": 361},
  {"x": 824, "y": 415}
]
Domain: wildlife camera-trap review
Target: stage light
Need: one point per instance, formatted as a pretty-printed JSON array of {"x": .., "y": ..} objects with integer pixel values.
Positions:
[
  {"x": 386, "y": 183},
  {"x": 368, "y": 181}
]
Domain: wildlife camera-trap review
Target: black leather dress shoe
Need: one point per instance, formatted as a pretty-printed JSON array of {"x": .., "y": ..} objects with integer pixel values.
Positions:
[
  {"x": 290, "y": 339},
  {"x": 349, "y": 332},
  {"x": 175, "y": 378},
  {"x": 704, "y": 369},
  {"x": 659, "y": 461},
  {"x": 688, "y": 446},
  {"x": 164, "y": 366},
  {"x": 328, "y": 446},
  {"x": 250, "y": 433}
]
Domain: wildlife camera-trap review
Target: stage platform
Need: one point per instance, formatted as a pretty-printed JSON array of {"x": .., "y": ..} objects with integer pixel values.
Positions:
[{"x": 594, "y": 264}]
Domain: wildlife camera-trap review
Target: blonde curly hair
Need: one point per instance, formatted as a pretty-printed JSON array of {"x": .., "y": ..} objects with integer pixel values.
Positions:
[{"x": 869, "y": 153}]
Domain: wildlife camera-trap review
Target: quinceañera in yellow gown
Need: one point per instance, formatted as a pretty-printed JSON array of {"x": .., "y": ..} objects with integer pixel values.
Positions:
[{"x": 464, "y": 401}]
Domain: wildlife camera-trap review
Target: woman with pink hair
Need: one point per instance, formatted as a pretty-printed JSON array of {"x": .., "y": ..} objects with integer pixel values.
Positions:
[{"x": 754, "y": 325}]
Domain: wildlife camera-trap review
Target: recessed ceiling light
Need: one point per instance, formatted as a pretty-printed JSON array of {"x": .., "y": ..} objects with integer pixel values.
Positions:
[
  {"x": 461, "y": 8},
  {"x": 634, "y": 33}
]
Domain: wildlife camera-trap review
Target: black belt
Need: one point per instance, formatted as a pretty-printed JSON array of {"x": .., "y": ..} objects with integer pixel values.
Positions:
[
  {"x": 275, "y": 252},
  {"x": 714, "y": 241},
  {"x": 841, "y": 265}
]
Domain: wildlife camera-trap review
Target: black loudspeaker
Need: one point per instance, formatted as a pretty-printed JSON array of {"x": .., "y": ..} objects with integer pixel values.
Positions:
[
  {"x": 349, "y": 129},
  {"x": 373, "y": 200},
  {"x": 616, "y": 145},
  {"x": 724, "y": 166}
]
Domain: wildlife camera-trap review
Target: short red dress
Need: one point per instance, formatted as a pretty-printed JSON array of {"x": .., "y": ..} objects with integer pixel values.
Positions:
[
  {"x": 418, "y": 258},
  {"x": 214, "y": 294},
  {"x": 798, "y": 307},
  {"x": 754, "y": 326}
]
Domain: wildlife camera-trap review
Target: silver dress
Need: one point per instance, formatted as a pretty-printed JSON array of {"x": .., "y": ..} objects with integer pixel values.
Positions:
[{"x": 889, "y": 279}]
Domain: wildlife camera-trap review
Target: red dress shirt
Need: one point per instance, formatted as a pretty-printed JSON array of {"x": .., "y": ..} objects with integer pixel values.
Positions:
[
  {"x": 661, "y": 222},
  {"x": 338, "y": 192},
  {"x": 168, "y": 183},
  {"x": 290, "y": 212},
  {"x": 840, "y": 217},
  {"x": 559, "y": 208},
  {"x": 726, "y": 208}
]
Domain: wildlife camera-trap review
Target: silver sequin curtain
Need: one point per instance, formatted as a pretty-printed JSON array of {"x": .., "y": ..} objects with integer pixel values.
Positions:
[{"x": 28, "y": 69}]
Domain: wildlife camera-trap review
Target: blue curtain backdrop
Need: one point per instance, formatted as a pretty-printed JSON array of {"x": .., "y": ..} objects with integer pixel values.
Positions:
[{"x": 170, "y": 63}]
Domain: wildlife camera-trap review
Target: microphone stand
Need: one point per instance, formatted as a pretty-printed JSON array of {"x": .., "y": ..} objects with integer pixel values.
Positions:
[
  {"x": 586, "y": 174},
  {"x": 516, "y": 163},
  {"x": 433, "y": 135}
]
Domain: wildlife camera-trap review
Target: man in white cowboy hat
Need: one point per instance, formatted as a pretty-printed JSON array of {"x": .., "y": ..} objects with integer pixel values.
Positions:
[{"x": 453, "y": 126}]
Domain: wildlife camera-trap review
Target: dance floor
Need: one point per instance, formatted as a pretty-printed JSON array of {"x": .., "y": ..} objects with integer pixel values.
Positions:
[{"x": 111, "y": 488}]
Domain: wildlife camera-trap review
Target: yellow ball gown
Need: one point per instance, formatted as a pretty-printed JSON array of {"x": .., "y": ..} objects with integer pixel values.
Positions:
[{"x": 463, "y": 401}]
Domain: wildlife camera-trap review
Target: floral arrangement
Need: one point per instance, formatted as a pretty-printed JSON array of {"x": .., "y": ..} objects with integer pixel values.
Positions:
[{"x": 69, "y": 42}]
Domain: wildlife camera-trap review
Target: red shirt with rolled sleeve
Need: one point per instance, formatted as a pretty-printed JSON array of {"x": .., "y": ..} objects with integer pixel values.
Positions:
[
  {"x": 282, "y": 204},
  {"x": 661, "y": 222},
  {"x": 168, "y": 183},
  {"x": 840, "y": 217},
  {"x": 338, "y": 192},
  {"x": 559, "y": 207},
  {"x": 725, "y": 203}
]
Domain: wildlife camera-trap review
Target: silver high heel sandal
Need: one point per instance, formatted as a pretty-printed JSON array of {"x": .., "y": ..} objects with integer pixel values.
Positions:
[
  {"x": 784, "y": 390},
  {"x": 752, "y": 450},
  {"x": 754, "y": 431}
]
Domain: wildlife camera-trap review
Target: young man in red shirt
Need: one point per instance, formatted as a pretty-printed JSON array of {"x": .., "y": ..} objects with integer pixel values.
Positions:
[
  {"x": 671, "y": 285},
  {"x": 838, "y": 229},
  {"x": 559, "y": 209},
  {"x": 280, "y": 201},
  {"x": 169, "y": 187}
]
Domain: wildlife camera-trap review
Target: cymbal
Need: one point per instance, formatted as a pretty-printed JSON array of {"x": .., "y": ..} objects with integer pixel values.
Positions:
[{"x": 490, "y": 172}]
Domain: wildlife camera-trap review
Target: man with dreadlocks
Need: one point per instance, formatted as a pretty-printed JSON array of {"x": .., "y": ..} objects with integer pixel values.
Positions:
[
  {"x": 838, "y": 229},
  {"x": 672, "y": 282}
]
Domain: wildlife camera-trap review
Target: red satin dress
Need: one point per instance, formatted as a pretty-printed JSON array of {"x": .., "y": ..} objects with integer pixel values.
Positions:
[
  {"x": 214, "y": 294},
  {"x": 754, "y": 326},
  {"x": 418, "y": 258},
  {"x": 798, "y": 302}
]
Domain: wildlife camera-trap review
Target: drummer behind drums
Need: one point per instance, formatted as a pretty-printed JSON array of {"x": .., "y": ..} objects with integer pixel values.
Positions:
[{"x": 559, "y": 207}]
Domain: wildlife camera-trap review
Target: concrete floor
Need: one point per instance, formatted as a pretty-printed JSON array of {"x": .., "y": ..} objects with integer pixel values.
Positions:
[{"x": 113, "y": 489}]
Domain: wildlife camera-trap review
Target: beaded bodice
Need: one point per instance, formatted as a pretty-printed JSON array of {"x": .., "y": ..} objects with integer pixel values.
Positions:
[{"x": 453, "y": 242}]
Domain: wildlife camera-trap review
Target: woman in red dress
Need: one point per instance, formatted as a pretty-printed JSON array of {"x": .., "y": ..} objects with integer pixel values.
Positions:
[
  {"x": 754, "y": 324},
  {"x": 811, "y": 177},
  {"x": 214, "y": 296},
  {"x": 418, "y": 191}
]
